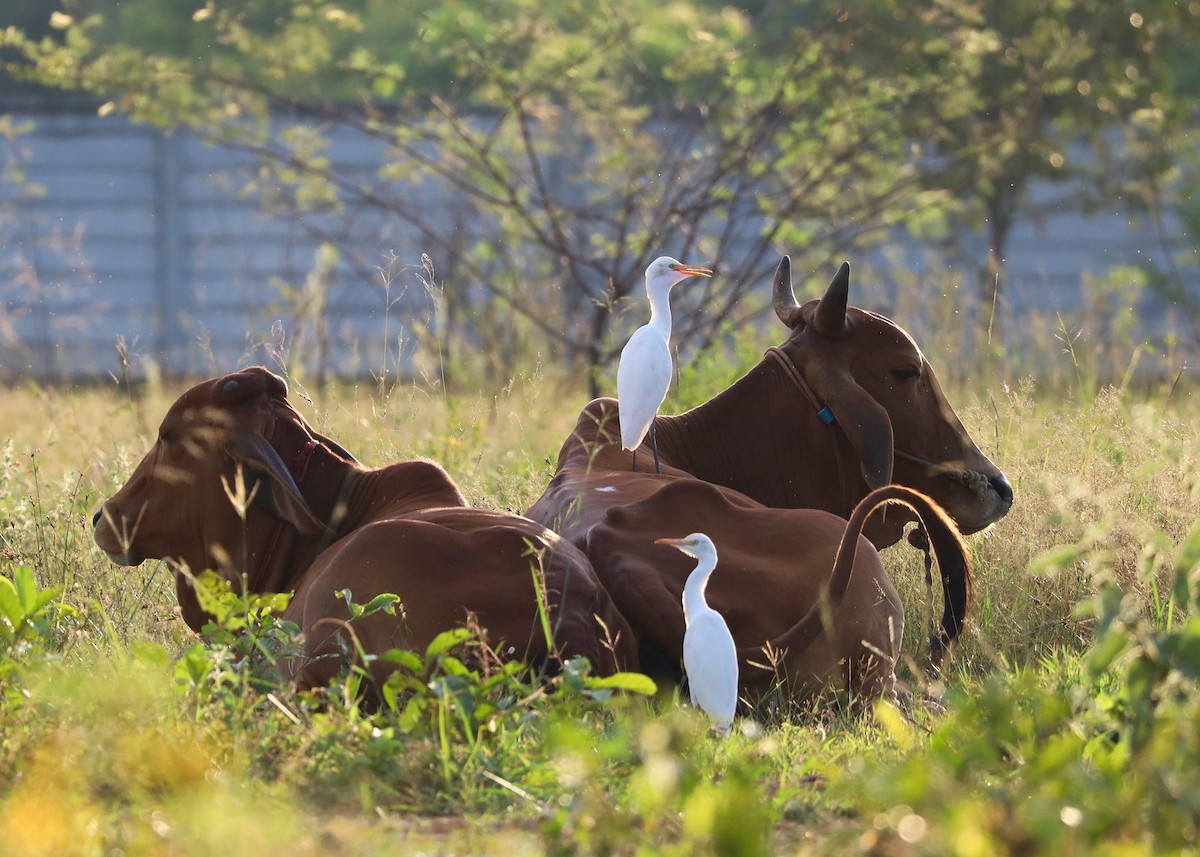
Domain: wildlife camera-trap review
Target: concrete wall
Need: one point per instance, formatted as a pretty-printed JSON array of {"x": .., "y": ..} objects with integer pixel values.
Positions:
[{"x": 119, "y": 232}]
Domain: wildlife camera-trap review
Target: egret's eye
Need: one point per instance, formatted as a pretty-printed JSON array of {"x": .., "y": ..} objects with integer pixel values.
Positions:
[{"x": 906, "y": 373}]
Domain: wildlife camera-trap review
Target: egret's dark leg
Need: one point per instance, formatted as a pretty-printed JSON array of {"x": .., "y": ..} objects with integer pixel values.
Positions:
[
  {"x": 635, "y": 460},
  {"x": 654, "y": 446}
]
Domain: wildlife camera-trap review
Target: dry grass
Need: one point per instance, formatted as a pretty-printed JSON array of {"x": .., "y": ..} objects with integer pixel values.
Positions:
[{"x": 1112, "y": 474}]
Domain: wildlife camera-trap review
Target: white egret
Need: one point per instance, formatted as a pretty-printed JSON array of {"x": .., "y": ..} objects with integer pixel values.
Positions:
[
  {"x": 644, "y": 373},
  {"x": 709, "y": 655}
]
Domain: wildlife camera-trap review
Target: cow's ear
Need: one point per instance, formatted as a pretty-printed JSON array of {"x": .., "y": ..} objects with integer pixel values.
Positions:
[
  {"x": 865, "y": 422},
  {"x": 254, "y": 452},
  {"x": 869, "y": 429}
]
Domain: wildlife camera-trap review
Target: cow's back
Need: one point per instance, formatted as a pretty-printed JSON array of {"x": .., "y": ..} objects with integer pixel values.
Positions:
[{"x": 446, "y": 564}]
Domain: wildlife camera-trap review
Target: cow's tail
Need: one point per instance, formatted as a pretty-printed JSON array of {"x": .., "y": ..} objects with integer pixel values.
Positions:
[{"x": 953, "y": 563}]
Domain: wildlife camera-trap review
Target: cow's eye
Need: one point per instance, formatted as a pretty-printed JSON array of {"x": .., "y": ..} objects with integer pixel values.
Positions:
[{"x": 906, "y": 373}]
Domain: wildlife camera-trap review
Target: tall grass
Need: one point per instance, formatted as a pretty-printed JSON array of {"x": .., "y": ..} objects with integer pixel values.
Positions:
[{"x": 117, "y": 726}]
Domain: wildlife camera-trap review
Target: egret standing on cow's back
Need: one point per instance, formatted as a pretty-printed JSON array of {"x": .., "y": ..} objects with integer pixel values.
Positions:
[
  {"x": 644, "y": 373},
  {"x": 709, "y": 655}
]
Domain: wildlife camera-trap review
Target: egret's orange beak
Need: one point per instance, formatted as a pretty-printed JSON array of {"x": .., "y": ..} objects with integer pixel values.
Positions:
[
  {"x": 672, "y": 542},
  {"x": 693, "y": 270}
]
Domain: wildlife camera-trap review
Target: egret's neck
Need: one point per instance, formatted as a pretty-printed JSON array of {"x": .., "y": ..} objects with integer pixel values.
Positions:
[
  {"x": 693, "y": 589},
  {"x": 660, "y": 307}
]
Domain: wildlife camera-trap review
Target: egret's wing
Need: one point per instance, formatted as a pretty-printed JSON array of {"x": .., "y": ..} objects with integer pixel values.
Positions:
[
  {"x": 643, "y": 377},
  {"x": 710, "y": 661}
]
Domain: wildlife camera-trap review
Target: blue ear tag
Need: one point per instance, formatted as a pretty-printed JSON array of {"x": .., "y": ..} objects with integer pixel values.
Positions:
[{"x": 826, "y": 416}]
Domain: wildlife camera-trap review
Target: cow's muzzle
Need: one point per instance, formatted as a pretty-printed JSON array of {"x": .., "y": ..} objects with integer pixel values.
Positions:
[
  {"x": 1003, "y": 488},
  {"x": 993, "y": 500},
  {"x": 118, "y": 545}
]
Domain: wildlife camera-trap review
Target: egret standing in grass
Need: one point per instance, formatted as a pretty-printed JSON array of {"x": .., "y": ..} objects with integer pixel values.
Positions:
[
  {"x": 709, "y": 655},
  {"x": 644, "y": 373}
]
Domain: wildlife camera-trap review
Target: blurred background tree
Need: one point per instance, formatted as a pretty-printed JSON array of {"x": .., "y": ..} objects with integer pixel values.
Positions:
[
  {"x": 584, "y": 139},
  {"x": 1084, "y": 94}
]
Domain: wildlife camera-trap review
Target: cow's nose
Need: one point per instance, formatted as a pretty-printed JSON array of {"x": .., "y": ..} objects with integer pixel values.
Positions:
[
  {"x": 96, "y": 518},
  {"x": 1003, "y": 488}
]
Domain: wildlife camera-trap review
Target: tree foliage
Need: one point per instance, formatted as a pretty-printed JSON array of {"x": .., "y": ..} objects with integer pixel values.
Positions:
[
  {"x": 1084, "y": 94},
  {"x": 577, "y": 141}
]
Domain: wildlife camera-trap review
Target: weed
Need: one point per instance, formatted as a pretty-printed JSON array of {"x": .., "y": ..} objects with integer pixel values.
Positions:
[{"x": 1082, "y": 751}]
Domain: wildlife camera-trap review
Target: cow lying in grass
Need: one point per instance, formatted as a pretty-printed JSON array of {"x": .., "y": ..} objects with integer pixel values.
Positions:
[
  {"x": 318, "y": 523},
  {"x": 847, "y": 403}
]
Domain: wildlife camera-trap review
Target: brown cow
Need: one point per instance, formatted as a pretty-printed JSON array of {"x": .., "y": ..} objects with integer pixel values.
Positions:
[
  {"x": 775, "y": 565},
  {"x": 320, "y": 523},
  {"x": 847, "y": 403}
]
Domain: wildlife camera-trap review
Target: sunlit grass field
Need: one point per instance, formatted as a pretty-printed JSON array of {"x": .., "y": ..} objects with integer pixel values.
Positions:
[{"x": 1068, "y": 720}]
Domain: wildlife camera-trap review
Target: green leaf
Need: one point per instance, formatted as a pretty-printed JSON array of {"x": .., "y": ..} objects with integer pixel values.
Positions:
[
  {"x": 1056, "y": 559},
  {"x": 10, "y": 604},
  {"x": 1187, "y": 565},
  {"x": 273, "y": 602},
  {"x": 1107, "y": 649},
  {"x": 23, "y": 607},
  {"x": 410, "y": 718},
  {"x": 214, "y": 595},
  {"x": 194, "y": 666},
  {"x": 457, "y": 689},
  {"x": 403, "y": 657},
  {"x": 446, "y": 641},
  {"x": 453, "y": 666},
  {"x": 628, "y": 682},
  {"x": 385, "y": 601},
  {"x": 348, "y": 596},
  {"x": 32, "y": 599},
  {"x": 1182, "y": 650}
]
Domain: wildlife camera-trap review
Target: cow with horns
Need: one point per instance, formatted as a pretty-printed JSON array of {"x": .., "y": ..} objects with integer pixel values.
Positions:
[
  {"x": 315, "y": 523},
  {"x": 770, "y": 468}
]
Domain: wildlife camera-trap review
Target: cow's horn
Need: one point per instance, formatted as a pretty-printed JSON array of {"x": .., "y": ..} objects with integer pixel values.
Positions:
[
  {"x": 783, "y": 298},
  {"x": 830, "y": 317}
]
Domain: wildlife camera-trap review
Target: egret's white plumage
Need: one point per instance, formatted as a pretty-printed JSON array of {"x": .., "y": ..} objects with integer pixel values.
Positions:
[
  {"x": 709, "y": 654},
  {"x": 644, "y": 373}
]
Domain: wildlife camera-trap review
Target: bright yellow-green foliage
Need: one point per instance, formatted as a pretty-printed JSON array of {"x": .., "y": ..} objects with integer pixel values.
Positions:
[{"x": 120, "y": 730}]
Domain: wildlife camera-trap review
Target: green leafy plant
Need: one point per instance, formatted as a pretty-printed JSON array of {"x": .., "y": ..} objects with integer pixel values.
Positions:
[
  {"x": 682, "y": 788},
  {"x": 1069, "y": 756},
  {"x": 27, "y": 617},
  {"x": 244, "y": 642},
  {"x": 27, "y": 612},
  {"x": 470, "y": 711}
]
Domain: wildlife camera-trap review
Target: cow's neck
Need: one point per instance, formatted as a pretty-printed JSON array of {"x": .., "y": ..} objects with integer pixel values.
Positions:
[{"x": 761, "y": 438}]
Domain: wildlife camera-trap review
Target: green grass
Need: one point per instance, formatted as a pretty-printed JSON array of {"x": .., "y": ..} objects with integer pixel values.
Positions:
[{"x": 1071, "y": 711}]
